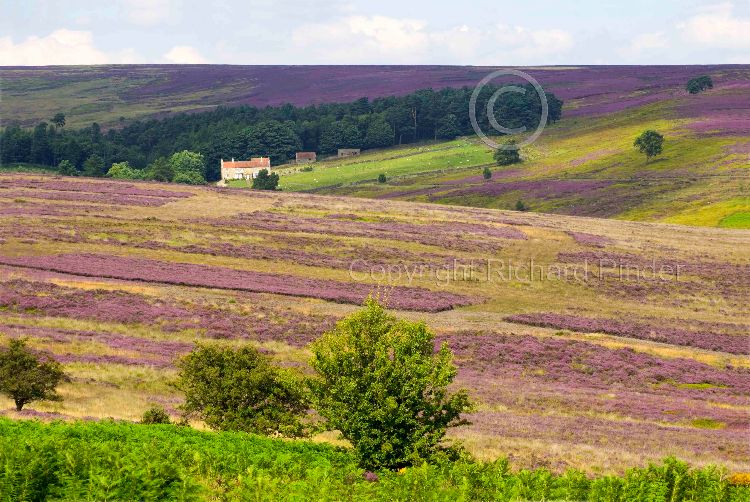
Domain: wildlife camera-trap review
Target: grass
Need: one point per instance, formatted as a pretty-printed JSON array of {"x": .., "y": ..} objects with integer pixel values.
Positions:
[
  {"x": 393, "y": 162},
  {"x": 116, "y": 461},
  {"x": 736, "y": 220}
]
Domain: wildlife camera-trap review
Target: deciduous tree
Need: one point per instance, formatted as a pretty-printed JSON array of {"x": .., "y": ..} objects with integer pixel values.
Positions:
[
  {"x": 382, "y": 385},
  {"x": 25, "y": 377}
]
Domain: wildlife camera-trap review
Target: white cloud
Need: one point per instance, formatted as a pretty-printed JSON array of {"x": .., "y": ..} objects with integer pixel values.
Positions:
[
  {"x": 61, "y": 47},
  {"x": 718, "y": 27},
  {"x": 380, "y": 39},
  {"x": 148, "y": 12},
  {"x": 644, "y": 43},
  {"x": 357, "y": 39},
  {"x": 184, "y": 54}
]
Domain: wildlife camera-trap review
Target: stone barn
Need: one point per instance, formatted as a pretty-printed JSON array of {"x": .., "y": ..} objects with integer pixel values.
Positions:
[
  {"x": 305, "y": 157},
  {"x": 243, "y": 169}
]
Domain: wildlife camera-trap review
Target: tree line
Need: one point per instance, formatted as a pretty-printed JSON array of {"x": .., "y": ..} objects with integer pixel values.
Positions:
[{"x": 275, "y": 131}]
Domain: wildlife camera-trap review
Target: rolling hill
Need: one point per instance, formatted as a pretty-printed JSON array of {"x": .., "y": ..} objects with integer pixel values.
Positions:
[
  {"x": 583, "y": 165},
  {"x": 586, "y": 342},
  {"x": 108, "y": 92}
]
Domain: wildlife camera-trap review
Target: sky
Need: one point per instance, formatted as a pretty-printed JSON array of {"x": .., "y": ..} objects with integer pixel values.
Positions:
[{"x": 474, "y": 32}]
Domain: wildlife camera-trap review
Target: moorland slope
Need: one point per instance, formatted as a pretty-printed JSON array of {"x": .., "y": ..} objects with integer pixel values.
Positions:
[{"x": 586, "y": 342}]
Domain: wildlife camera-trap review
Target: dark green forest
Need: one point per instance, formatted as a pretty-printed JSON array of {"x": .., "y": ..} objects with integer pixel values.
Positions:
[{"x": 278, "y": 132}]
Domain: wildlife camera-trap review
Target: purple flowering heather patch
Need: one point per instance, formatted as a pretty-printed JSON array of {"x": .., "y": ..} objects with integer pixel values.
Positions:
[
  {"x": 186, "y": 274},
  {"x": 702, "y": 339}
]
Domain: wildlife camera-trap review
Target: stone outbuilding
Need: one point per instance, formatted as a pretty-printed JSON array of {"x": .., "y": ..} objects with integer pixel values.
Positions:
[{"x": 244, "y": 169}]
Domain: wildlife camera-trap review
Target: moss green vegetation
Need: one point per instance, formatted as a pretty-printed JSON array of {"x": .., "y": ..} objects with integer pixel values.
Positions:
[
  {"x": 119, "y": 461},
  {"x": 736, "y": 220}
]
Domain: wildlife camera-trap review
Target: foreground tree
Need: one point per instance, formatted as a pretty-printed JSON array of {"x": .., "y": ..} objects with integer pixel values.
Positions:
[
  {"x": 381, "y": 384},
  {"x": 241, "y": 390},
  {"x": 508, "y": 155},
  {"x": 650, "y": 143},
  {"x": 25, "y": 378},
  {"x": 265, "y": 181}
]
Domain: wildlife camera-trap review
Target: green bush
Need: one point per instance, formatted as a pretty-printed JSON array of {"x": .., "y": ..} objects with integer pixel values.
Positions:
[
  {"x": 487, "y": 173},
  {"x": 381, "y": 385},
  {"x": 120, "y": 461},
  {"x": 699, "y": 84},
  {"x": 25, "y": 377},
  {"x": 155, "y": 415},
  {"x": 507, "y": 155},
  {"x": 123, "y": 171},
  {"x": 66, "y": 168},
  {"x": 241, "y": 390},
  {"x": 382, "y": 178},
  {"x": 265, "y": 181},
  {"x": 650, "y": 143},
  {"x": 189, "y": 178}
]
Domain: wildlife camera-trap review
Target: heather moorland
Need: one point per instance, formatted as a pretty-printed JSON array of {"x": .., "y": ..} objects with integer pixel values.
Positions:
[{"x": 586, "y": 343}]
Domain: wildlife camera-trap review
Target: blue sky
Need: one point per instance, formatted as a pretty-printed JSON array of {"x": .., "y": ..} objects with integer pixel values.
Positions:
[{"x": 477, "y": 32}]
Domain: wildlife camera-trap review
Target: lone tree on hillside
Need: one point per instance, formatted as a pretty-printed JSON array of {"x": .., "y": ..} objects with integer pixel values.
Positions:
[
  {"x": 241, "y": 390},
  {"x": 650, "y": 143},
  {"x": 487, "y": 173},
  {"x": 507, "y": 155},
  {"x": 25, "y": 378},
  {"x": 699, "y": 84},
  {"x": 382, "y": 385},
  {"x": 265, "y": 181}
]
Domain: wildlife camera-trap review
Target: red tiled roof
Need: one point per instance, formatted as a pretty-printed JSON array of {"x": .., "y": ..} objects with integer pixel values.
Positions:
[
  {"x": 254, "y": 162},
  {"x": 305, "y": 155}
]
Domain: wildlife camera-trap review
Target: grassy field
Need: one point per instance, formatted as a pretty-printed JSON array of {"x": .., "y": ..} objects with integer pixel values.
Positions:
[{"x": 587, "y": 343}]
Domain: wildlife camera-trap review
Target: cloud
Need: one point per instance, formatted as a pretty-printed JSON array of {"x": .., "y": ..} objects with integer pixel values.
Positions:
[
  {"x": 718, "y": 27},
  {"x": 184, "y": 54},
  {"x": 358, "y": 39},
  {"x": 61, "y": 47},
  {"x": 643, "y": 43},
  {"x": 380, "y": 39},
  {"x": 148, "y": 12}
]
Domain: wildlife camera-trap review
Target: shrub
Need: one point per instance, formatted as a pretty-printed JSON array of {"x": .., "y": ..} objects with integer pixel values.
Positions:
[
  {"x": 155, "y": 415},
  {"x": 240, "y": 390},
  {"x": 122, "y": 171},
  {"x": 307, "y": 169},
  {"x": 25, "y": 378},
  {"x": 650, "y": 143},
  {"x": 265, "y": 181},
  {"x": 520, "y": 206},
  {"x": 189, "y": 178},
  {"x": 487, "y": 173},
  {"x": 508, "y": 154},
  {"x": 160, "y": 170},
  {"x": 699, "y": 84},
  {"x": 66, "y": 168},
  {"x": 382, "y": 178},
  {"x": 380, "y": 383}
]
